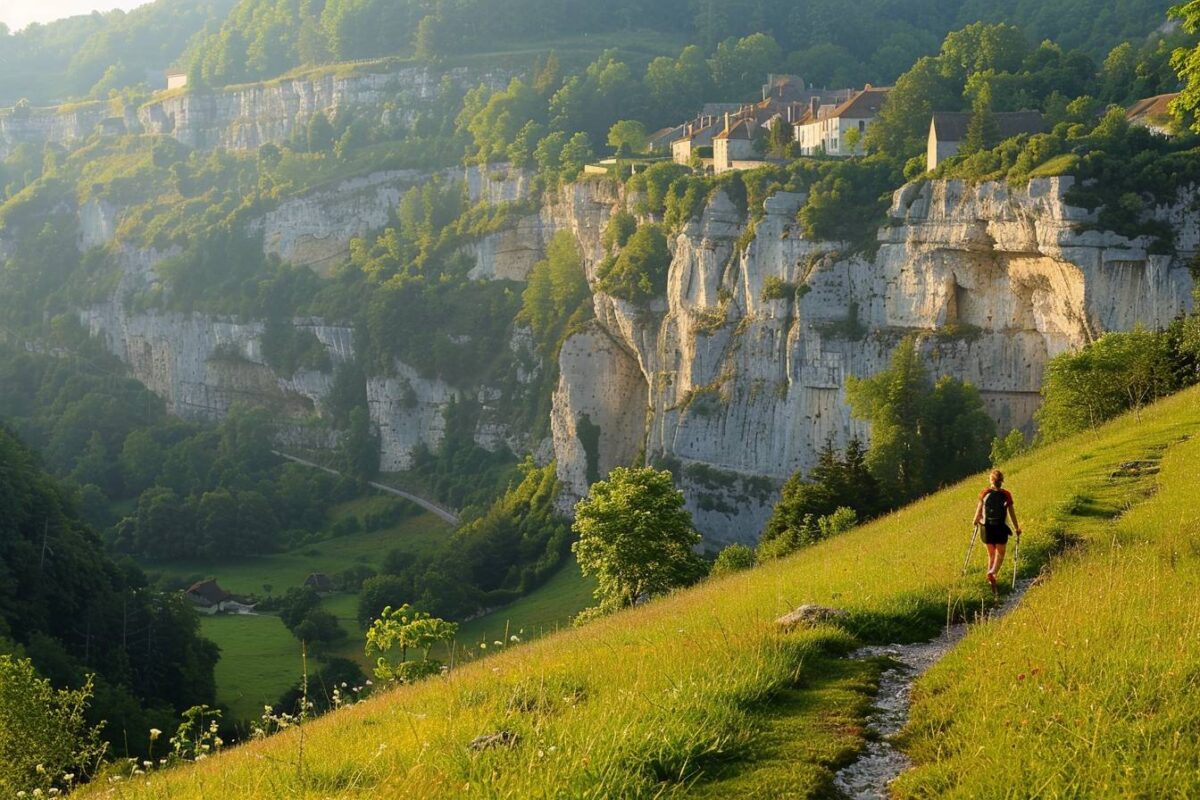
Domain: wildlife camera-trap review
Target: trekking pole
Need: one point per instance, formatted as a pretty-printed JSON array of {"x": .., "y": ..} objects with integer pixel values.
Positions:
[
  {"x": 970, "y": 548},
  {"x": 1016, "y": 558}
]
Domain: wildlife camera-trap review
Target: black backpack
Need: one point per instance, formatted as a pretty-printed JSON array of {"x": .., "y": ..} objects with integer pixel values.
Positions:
[{"x": 995, "y": 506}]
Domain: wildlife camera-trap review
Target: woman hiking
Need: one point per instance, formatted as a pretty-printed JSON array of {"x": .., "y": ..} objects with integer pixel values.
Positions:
[{"x": 995, "y": 503}]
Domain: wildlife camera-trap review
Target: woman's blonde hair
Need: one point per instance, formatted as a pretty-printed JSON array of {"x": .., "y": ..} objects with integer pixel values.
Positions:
[{"x": 997, "y": 478}]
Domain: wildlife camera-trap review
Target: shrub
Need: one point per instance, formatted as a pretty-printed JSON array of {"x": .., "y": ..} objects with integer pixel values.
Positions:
[
  {"x": 639, "y": 272},
  {"x": 734, "y": 558},
  {"x": 775, "y": 288},
  {"x": 45, "y": 742}
]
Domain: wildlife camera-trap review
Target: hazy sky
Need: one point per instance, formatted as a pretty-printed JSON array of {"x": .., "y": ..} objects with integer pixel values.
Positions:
[{"x": 16, "y": 14}]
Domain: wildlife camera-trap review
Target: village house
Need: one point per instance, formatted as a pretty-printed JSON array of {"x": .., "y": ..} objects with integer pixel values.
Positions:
[
  {"x": 176, "y": 78},
  {"x": 838, "y": 130},
  {"x": 733, "y": 147},
  {"x": 948, "y": 130},
  {"x": 661, "y": 140},
  {"x": 1153, "y": 113},
  {"x": 785, "y": 89},
  {"x": 697, "y": 139},
  {"x": 730, "y": 129},
  {"x": 209, "y": 598}
]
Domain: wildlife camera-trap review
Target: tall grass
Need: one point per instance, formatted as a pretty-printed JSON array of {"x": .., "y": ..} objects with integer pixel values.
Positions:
[
  {"x": 1092, "y": 687},
  {"x": 657, "y": 700}
]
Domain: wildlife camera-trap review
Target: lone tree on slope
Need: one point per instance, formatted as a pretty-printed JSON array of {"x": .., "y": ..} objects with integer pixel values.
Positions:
[{"x": 636, "y": 537}]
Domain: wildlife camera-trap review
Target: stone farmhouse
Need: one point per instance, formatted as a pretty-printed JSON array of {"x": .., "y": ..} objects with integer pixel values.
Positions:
[
  {"x": 948, "y": 130},
  {"x": 828, "y": 129},
  {"x": 209, "y": 598}
]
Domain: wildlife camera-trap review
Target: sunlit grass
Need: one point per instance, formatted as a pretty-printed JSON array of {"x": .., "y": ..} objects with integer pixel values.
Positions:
[
  {"x": 678, "y": 694},
  {"x": 1089, "y": 689}
]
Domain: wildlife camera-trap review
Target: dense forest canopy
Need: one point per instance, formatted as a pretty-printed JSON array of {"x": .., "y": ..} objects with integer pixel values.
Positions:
[
  {"x": 73, "y": 611},
  {"x": 828, "y": 42}
]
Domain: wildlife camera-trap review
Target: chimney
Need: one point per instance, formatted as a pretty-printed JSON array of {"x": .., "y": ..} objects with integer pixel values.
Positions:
[
  {"x": 813, "y": 104},
  {"x": 726, "y": 120}
]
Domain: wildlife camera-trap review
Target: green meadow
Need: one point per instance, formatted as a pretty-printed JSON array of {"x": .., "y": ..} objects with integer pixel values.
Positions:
[
  {"x": 260, "y": 658},
  {"x": 1091, "y": 688},
  {"x": 702, "y": 693},
  {"x": 422, "y": 534}
]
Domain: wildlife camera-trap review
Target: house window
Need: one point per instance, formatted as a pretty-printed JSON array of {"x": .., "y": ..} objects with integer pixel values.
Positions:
[
  {"x": 834, "y": 147},
  {"x": 862, "y": 125}
]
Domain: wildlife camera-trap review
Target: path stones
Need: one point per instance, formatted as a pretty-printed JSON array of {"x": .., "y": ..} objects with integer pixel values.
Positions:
[{"x": 810, "y": 614}]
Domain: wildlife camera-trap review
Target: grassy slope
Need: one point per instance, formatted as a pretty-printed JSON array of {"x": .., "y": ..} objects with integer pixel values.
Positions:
[
  {"x": 548, "y": 609},
  {"x": 1090, "y": 688},
  {"x": 686, "y": 693}
]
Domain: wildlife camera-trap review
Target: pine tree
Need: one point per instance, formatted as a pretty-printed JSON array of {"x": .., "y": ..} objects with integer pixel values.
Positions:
[{"x": 982, "y": 131}]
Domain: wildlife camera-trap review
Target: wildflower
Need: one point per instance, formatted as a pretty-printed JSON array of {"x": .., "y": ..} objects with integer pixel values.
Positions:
[
  {"x": 499, "y": 643},
  {"x": 147, "y": 764},
  {"x": 483, "y": 645},
  {"x": 53, "y": 792},
  {"x": 21, "y": 793},
  {"x": 155, "y": 733},
  {"x": 38, "y": 792},
  {"x": 40, "y": 769},
  {"x": 513, "y": 638},
  {"x": 69, "y": 777},
  {"x": 370, "y": 683}
]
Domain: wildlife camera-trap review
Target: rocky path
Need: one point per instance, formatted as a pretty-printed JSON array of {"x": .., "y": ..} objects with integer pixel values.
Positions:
[
  {"x": 430, "y": 506},
  {"x": 869, "y": 775}
]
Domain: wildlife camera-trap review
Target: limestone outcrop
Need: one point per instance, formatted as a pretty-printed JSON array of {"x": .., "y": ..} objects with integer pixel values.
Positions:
[
  {"x": 247, "y": 117},
  {"x": 745, "y": 361}
]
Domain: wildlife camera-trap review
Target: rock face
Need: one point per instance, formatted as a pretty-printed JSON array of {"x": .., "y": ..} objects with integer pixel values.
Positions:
[
  {"x": 744, "y": 383},
  {"x": 736, "y": 377},
  {"x": 247, "y": 117},
  {"x": 315, "y": 229},
  {"x": 64, "y": 125}
]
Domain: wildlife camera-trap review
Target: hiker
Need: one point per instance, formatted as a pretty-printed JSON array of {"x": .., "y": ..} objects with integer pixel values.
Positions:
[{"x": 995, "y": 503}]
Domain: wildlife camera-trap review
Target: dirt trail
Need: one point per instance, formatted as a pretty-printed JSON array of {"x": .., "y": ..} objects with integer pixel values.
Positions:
[{"x": 869, "y": 775}]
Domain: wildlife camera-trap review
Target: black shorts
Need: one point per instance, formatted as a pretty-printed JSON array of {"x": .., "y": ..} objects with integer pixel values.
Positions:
[{"x": 996, "y": 534}]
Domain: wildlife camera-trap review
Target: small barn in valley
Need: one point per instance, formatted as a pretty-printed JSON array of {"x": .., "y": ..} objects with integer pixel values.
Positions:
[{"x": 208, "y": 597}]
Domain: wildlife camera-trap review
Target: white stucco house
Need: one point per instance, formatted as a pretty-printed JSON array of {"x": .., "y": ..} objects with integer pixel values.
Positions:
[{"x": 823, "y": 129}]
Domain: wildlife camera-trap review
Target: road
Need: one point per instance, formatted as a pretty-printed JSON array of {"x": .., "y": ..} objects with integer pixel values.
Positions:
[{"x": 430, "y": 506}]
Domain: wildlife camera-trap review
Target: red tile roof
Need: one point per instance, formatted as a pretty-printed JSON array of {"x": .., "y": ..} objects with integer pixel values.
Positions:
[{"x": 207, "y": 591}]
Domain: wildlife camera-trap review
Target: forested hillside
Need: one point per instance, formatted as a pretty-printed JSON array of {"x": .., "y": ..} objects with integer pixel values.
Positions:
[
  {"x": 223, "y": 41},
  {"x": 74, "y": 611},
  {"x": 830, "y": 43},
  {"x": 89, "y": 56}
]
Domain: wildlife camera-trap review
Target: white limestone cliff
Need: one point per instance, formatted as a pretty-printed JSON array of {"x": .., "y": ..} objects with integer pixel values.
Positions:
[
  {"x": 995, "y": 280},
  {"x": 249, "y": 116}
]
